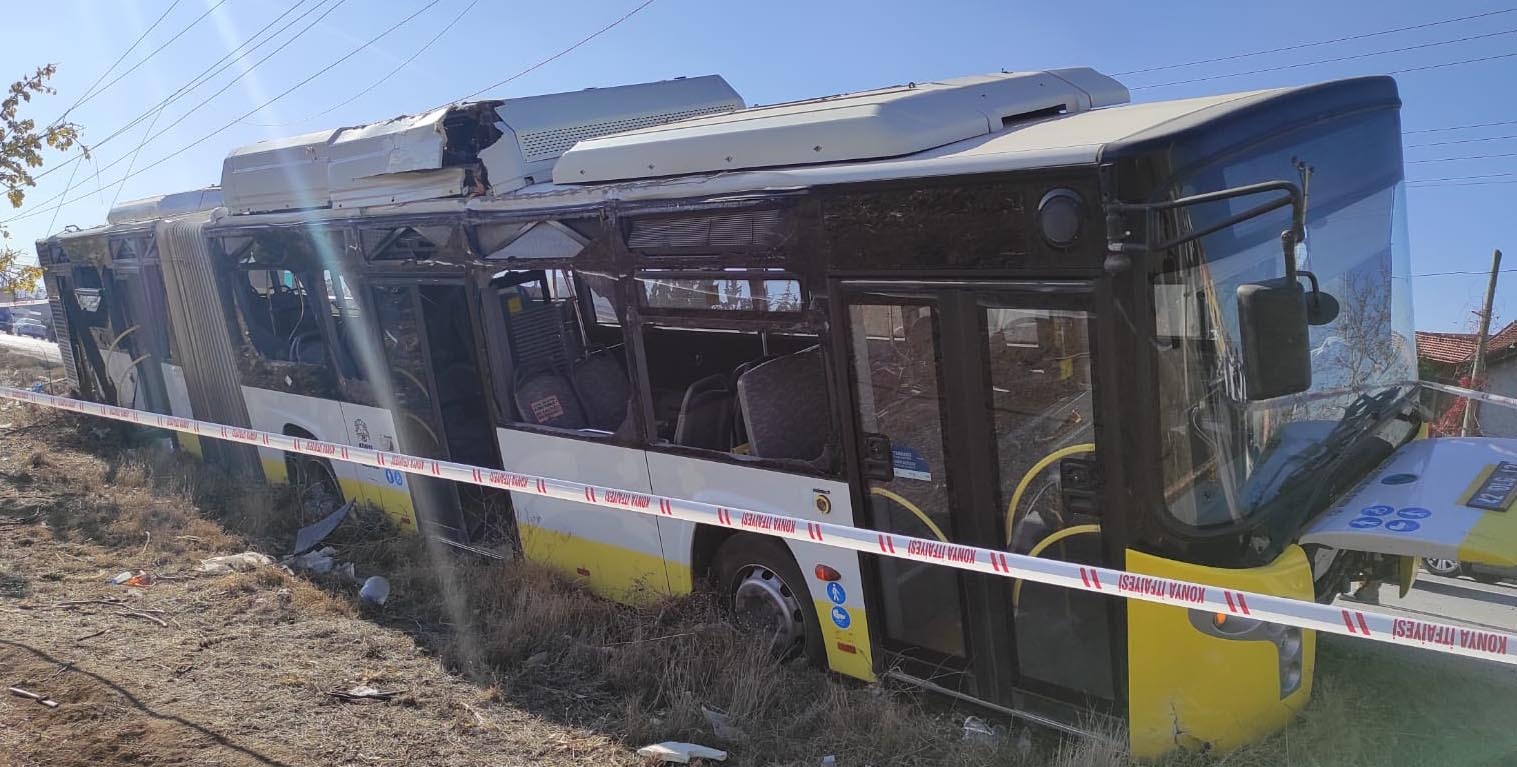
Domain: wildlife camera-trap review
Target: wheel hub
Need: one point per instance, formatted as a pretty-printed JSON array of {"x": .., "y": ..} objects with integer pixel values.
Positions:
[{"x": 763, "y": 601}]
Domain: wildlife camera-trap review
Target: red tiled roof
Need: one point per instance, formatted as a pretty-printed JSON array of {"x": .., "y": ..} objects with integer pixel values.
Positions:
[{"x": 1457, "y": 348}]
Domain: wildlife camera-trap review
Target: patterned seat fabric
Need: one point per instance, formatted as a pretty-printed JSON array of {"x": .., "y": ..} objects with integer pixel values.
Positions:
[
  {"x": 547, "y": 398},
  {"x": 784, "y": 404},
  {"x": 601, "y": 381}
]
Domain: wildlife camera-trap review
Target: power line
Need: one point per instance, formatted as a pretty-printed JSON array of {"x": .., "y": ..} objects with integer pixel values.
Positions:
[
  {"x": 1460, "y": 141},
  {"x": 1352, "y": 57},
  {"x": 1461, "y": 127},
  {"x": 252, "y": 111},
  {"x": 1466, "y": 183},
  {"x": 154, "y": 52},
  {"x": 1459, "y": 178},
  {"x": 1451, "y": 64},
  {"x": 1485, "y": 273},
  {"x": 117, "y": 62},
  {"x": 1300, "y": 46},
  {"x": 381, "y": 80},
  {"x": 189, "y": 87},
  {"x": 1464, "y": 157},
  {"x": 560, "y": 54},
  {"x": 197, "y": 81}
]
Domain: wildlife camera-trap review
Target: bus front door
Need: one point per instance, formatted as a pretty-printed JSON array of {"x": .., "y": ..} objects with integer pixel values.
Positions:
[{"x": 975, "y": 426}]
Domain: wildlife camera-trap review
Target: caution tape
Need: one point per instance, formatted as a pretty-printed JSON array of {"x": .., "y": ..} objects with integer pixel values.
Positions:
[{"x": 1439, "y": 637}]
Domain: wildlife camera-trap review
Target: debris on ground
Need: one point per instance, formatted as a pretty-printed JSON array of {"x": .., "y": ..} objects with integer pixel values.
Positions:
[
  {"x": 980, "y": 731},
  {"x": 140, "y": 579},
  {"x": 362, "y": 693},
  {"x": 43, "y": 699},
  {"x": 307, "y": 537},
  {"x": 319, "y": 562},
  {"x": 247, "y": 561},
  {"x": 721, "y": 724},
  {"x": 375, "y": 591},
  {"x": 671, "y": 752}
]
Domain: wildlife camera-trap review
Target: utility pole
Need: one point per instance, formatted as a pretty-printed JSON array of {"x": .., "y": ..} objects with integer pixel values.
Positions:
[{"x": 1478, "y": 368}]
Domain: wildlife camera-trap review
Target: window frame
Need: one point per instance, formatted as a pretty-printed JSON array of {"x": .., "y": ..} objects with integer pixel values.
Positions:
[{"x": 802, "y": 322}]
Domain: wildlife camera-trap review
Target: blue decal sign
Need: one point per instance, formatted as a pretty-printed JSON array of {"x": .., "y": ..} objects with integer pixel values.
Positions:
[
  {"x": 840, "y": 617},
  {"x": 1379, "y": 510},
  {"x": 1365, "y": 523},
  {"x": 1401, "y": 526},
  {"x": 836, "y": 593},
  {"x": 909, "y": 464},
  {"x": 1413, "y": 512}
]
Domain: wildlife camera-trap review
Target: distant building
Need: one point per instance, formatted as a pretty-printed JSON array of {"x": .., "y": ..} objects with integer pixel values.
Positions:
[{"x": 1448, "y": 358}]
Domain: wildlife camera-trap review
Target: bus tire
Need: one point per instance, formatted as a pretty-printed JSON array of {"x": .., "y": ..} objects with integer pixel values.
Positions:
[
  {"x": 759, "y": 580},
  {"x": 317, "y": 491}
]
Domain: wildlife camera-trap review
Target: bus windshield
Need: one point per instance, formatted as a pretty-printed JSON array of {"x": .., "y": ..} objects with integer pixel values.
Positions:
[{"x": 1224, "y": 457}]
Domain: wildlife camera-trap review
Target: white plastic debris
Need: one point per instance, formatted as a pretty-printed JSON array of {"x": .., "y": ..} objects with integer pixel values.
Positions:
[
  {"x": 120, "y": 578},
  {"x": 980, "y": 731},
  {"x": 721, "y": 724},
  {"x": 671, "y": 752},
  {"x": 234, "y": 563},
  {"x": 375, "y": 590},
  {"x": 319, "y": 561}
]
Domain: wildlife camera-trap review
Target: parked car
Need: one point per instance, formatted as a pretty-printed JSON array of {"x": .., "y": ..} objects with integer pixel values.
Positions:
[
  {"x": 30, "y": 327},
  {"x": 1453, "y": 568}
]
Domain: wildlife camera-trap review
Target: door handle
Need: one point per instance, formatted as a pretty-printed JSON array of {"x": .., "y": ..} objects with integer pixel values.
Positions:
[{"x": 878, "y": 464}]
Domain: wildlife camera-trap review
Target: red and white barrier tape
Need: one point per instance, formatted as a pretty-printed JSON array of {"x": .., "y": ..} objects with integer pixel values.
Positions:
[{"x": 1440, "y": 637}]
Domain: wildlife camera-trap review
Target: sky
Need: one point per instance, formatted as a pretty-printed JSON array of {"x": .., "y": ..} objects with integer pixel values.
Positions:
[{"x": 777, "y": 50}]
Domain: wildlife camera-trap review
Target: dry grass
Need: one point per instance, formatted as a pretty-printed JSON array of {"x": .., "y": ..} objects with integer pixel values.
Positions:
[{"x": 502, "y": 662}]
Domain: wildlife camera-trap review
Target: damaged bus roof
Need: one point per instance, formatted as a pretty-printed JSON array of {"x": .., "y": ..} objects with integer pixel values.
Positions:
[{"x": 439, "y": 161}]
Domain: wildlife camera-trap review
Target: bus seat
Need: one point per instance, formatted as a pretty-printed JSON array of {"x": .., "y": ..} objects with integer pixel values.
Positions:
[
  {"x": 547, "y": 398},
  {"x": 601, "y": 382},
  {"x": 308, "y": 348},
  {"x": 784, "y": 404},
  {"x": 740, "y": 426},
  {"x": 705, "y": 415}
]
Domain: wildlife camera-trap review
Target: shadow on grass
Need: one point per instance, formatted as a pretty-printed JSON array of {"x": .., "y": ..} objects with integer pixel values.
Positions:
[{"x": 142, "y": 707}]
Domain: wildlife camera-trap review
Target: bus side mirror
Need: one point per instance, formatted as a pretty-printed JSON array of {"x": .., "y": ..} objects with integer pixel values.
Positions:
[{"x": 1272, "y": 320}]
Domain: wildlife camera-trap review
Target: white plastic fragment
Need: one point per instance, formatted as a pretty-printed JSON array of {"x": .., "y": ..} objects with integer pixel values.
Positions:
[
  {"x": 671, "y": 752},
  {"x": 234, "y": 563},
  {"x": 375, "y": 590},
  {"x": 319, "y": 561}
]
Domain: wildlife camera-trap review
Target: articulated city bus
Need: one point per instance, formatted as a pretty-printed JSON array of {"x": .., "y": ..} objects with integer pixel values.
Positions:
[{"x": 1010, "y": 311}]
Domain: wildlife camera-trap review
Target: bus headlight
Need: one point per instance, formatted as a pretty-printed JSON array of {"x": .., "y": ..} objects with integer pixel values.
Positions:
[{"x": 1286, "y": 640}]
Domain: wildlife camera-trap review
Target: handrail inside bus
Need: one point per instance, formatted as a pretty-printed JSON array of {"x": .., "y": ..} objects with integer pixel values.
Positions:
[
  {"x": 1049, "y": 540},
  {"x": 911, "y": 507},
  {"x": 114, "y": 341},
  {"x": 1045, "y": 462}
]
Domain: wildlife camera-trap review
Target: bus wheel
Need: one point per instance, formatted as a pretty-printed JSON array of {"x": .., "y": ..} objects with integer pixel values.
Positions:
[
  {"x": 317, "y": 491},
  {"x": 768, "y": 594}
]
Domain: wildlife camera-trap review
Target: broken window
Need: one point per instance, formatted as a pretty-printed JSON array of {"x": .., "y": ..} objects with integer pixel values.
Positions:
[
  {"x": 739, "y": 391},
  {"x": 279, "y": 315},
  {"x": 734, "y": 292},
  {"x": 563, "y": 372},
  {"x": 348, "y": 324}
]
